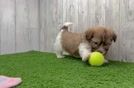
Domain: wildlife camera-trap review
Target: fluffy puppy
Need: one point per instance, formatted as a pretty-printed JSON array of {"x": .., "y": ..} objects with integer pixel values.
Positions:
[{"x": 82, "y": 44}]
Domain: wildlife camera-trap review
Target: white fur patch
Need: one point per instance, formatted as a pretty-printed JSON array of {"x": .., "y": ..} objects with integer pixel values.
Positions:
[
  {"x": 58, "y": 45},
  {"x": 84, "y": 51}
]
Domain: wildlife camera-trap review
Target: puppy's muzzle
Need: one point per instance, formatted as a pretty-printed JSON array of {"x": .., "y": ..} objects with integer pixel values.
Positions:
[{"x": 101, "y": 50}]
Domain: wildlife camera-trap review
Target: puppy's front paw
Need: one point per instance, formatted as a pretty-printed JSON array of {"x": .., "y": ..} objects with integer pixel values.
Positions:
[
  {"x": 60, "y": 56},
  {"x": 84, "y": 59},
  {"x": 106, "y": 61}
]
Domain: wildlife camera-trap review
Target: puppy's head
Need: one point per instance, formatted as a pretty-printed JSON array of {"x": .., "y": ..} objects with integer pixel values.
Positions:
[{"x": 100, "y": 38}]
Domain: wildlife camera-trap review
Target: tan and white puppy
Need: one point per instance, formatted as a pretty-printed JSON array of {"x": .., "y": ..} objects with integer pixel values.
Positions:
[{"x": 82, "y": 44}]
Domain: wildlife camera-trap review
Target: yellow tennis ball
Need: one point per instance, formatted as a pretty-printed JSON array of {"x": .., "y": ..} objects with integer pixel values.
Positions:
[{"x": 96, "y": 59}]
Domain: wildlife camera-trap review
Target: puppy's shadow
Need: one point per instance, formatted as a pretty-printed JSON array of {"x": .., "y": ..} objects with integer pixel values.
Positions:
[
  {"x": 76, "y": 59},
  {"x": 86, "y": 63},
  {"x": 72, "y": 58}
]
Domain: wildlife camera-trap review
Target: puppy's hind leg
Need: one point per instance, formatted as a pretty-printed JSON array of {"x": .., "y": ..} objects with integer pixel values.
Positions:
[
  {"x": 58, "y": 46},
  {"x": 59, "y": 54},
  {"x": 58, "y": 51}
]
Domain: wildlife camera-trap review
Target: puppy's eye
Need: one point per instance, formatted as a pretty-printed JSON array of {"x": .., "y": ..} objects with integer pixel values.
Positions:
[
  {"x": 96, "y": 43},
  {"x": 106, "y": 49}
]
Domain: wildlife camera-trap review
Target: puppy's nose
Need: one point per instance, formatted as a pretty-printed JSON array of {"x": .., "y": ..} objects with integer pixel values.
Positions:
[{"x": 101, "y": 52}]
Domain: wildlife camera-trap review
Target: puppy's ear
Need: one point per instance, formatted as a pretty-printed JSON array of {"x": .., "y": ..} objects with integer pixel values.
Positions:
[
  {"x": 112, "y": 34},
  {"x": 89, "y": 34},
  {"x": 114, "y": 37}
]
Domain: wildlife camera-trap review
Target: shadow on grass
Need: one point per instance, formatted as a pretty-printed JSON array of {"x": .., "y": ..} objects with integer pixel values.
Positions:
[{"x": 86, "y": 64}]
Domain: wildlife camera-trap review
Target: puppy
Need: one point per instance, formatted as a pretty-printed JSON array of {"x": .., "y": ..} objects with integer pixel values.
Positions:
[{"x": 82, "y": 44}]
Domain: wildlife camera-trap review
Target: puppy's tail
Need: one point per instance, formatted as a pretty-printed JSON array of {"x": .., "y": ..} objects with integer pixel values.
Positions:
[{"x": 66, "y": 25}]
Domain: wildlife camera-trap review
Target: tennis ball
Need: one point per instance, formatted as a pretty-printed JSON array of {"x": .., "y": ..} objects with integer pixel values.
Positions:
[{"x": 96, "y": 59}]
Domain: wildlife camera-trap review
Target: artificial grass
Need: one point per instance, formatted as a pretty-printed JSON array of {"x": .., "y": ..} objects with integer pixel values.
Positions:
[{"x": 44, "y": 70}]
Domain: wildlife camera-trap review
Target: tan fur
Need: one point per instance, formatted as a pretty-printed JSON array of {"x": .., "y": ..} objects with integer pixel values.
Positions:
[
  {"x": 101, "y": 33},
  {"x": 70, "y": 41}
]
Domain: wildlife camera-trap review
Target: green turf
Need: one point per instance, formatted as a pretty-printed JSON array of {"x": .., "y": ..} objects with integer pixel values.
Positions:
[{"x": 44, "y": 70}]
